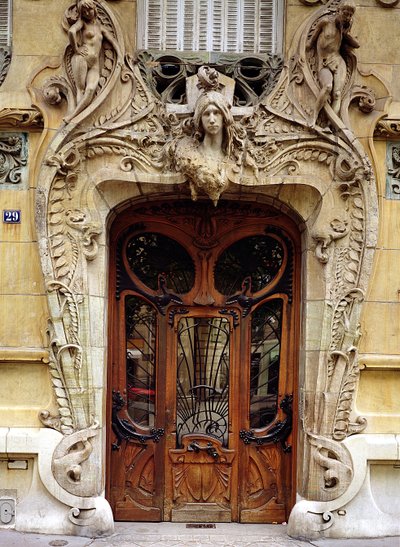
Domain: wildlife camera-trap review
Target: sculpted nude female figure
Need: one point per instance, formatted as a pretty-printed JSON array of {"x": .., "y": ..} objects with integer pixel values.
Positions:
[
  {"x": 86, "y": 38},
  {"x": 330, "y": 37}
]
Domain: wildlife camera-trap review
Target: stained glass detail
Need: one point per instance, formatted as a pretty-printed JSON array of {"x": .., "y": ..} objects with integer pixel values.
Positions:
[
  {"x": 151, "y": 254},
  {"x": 266, "y": 326},
  {"x": 202, "y": 397},
  {"x": 140, "y": 322},
  {"x": 259, "y": 257}
]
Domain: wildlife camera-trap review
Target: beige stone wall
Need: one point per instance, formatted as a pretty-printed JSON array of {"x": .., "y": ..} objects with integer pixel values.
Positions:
[{"x": 24, "y": 376}]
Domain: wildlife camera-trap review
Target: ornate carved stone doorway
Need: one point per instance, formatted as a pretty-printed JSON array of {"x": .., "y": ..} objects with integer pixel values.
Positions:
[{"x": 203, "y": 324}]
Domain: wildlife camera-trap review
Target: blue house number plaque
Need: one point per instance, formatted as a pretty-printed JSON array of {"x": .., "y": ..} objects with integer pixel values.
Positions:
[{"x": 11, "y": 216}]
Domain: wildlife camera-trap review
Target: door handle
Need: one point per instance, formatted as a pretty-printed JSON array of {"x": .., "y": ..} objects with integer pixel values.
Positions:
[{"x": 209, "y": 448}]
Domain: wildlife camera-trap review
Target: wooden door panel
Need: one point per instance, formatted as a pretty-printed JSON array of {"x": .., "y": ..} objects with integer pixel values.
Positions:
[
  {"x": 135, "y": 496},
  {"x": 202, "y": 480},
  {"x": 263, "y": 492}
]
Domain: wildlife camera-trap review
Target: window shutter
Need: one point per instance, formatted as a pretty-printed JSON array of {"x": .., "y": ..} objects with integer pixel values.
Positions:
[
  {"x": 172, "y": 29},
  {"x": 5, "y": 38},
  {"x": 266, "y": 37},
  {"x": 250, "y": 24},
  {"x": 233, "y": 31},
  {"x": 189, "y": 25},
  {"x": 152, "y": 24},
  {"x": 237, "y": 26},
  {"x": 217, "y": 22},
  {"x": 203, "y": 25}
]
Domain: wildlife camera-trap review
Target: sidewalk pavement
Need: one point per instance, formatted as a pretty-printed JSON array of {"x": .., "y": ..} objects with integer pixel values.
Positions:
[{"x": 166, "y": 534}]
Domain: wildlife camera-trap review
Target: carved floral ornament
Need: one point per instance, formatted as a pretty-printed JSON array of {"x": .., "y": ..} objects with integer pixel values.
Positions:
[{"x": 299, "y": 134}]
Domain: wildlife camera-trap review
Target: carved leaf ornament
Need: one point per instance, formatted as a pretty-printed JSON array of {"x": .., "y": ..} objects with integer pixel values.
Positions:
[{"x": 207, "y": 147}]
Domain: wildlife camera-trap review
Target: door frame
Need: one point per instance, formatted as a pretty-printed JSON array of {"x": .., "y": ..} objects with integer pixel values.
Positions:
[{"x": 289, "y": 227}]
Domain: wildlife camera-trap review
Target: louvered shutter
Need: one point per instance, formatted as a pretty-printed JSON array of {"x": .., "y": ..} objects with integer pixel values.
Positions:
[
  {"x": 172, "y": 29},
  {"x": 237, "y": 26},
  {"x": 266, "y": 26},
  {"x": 233, "y": 30},
  {"x": 150, "y": 18},
  {"x": 189, "y": 24},
  {"x": 5, "y": 38},
  {"x": 203, "y": 25}
]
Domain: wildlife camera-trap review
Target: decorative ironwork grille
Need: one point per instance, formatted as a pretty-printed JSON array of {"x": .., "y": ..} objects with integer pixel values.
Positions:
[
  {"x": 257, "y": 257},
  {"x": 202, "y": 397},
  {"x": 151, "y": 254}
]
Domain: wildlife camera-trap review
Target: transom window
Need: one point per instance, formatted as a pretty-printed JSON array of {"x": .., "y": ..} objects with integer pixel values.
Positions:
[{"x": 237, "y": 26}]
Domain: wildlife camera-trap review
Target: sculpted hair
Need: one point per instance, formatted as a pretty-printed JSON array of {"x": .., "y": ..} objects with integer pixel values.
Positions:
[{"x": 89, "y": 4}]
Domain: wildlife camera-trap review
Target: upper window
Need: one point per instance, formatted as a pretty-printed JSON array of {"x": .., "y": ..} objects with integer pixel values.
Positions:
[
  {"x": 237, "y": 26},
  {"x": 5, "y": 23}
]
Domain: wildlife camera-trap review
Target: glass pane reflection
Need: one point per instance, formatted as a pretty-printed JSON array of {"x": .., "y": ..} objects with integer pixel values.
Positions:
[
  {"x": 140, "y": 322},
  {"x": 266, "y": 326}
]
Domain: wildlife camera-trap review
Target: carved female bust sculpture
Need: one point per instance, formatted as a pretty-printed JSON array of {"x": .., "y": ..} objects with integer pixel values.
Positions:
[
  {"x": 213, "y": 124},
  {"x": 204, "y": 156}
]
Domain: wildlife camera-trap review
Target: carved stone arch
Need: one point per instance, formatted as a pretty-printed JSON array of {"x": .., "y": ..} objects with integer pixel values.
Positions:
[{"x": 126, "y": 146}]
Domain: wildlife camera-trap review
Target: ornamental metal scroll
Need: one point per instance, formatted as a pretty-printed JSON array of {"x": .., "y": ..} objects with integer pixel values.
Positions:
[
  {"x": 279, "y": 432},
  {"x": 124, "y": 430}
]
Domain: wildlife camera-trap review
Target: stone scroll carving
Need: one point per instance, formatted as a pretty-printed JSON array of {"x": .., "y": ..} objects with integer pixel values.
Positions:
[
  {"x": 13, "y": 158},
  {"x": 208, "y": 148}
]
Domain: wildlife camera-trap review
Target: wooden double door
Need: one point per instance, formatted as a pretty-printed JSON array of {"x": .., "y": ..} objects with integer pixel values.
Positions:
[{"x": 203, "y": 337}]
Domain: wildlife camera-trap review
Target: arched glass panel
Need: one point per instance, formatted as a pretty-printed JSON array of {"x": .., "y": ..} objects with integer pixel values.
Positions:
[
  {"x": 259, "y": 257},
  {"x": 151, "y": 254},
  {"x": 141, "y": 325},
  {"x": 202, "y": 388},
  {"x": 266, "y": 327}
]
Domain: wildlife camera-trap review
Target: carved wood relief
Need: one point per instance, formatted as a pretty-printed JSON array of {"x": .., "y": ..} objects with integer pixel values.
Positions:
[{"x": 197, "y": 478}]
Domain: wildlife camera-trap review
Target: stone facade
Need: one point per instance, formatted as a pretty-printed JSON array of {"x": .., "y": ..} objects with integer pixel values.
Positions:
[{"x": 80, "y": 140}]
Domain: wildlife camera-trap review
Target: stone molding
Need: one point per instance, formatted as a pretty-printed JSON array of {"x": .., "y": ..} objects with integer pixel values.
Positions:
[
  {"x": 12, "y": 355},
  {"x": 123, "y": 133},
  {"x": 15, "y": 118},
  {"x": 387, "y": 129}
]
